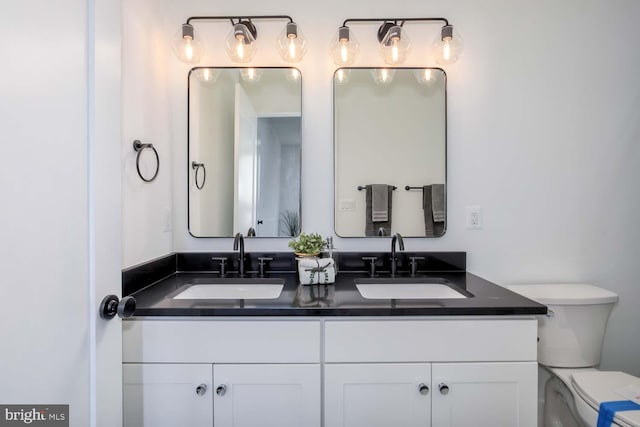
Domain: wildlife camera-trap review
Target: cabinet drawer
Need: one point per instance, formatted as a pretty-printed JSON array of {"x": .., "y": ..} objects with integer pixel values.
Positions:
[
  {"x": 221, "y": 341},
  {"x": 472, "y": 340}
]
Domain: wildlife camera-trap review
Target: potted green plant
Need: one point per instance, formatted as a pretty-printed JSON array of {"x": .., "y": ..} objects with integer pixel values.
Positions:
[{"x": 307, "y": 245}]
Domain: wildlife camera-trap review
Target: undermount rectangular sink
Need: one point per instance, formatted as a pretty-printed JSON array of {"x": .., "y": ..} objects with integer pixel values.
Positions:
[
  {"x": 398, "y": 288},
  {"x": 232, "y": 289}
]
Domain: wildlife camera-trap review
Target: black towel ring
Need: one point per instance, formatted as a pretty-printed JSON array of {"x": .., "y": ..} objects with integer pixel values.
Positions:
[
  {"x": 197, "y": 167},
  {"x": 139, "y": 148}
]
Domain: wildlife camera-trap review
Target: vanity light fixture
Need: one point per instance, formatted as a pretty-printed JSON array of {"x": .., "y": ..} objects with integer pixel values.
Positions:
[
  {"x": 240, "y": 43},
  {"x": 448, "y": 47},
  {"x": 394, "y": 44},
  {"x": 291, "y": 43},
  {"x": 344, "y": 47},
  {"x": 186, "y": 46}
]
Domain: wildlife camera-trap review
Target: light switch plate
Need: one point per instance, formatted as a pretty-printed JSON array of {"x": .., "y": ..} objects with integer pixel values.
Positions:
[{"x": 347, "y": 205}]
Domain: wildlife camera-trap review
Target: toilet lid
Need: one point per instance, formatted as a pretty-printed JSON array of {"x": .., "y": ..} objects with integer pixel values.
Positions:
[
  {"x": 600, "y": 386},
  {"x": 565, "y": 293}
]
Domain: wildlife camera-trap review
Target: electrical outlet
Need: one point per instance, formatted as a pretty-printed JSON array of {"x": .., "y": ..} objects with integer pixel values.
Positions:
[{"x": 473, "y": 217}]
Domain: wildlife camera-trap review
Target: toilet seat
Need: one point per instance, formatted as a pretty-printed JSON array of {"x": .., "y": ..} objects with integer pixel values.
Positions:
[{"x": 594, "y": 387}]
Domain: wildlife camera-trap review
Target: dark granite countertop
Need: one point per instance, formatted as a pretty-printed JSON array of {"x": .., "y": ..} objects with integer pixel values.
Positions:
[{"x": 339, "y": 299}]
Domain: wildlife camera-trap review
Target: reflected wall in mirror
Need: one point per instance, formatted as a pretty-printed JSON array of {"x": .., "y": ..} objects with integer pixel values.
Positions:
[
  {"x": 245, "y": 131},
  {"x": 390, "y": 152}
]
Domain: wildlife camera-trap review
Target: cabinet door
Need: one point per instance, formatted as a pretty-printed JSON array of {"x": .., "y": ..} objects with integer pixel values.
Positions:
[
  {"x": 377, "y": 395},
  {"x": 484, "y": 394},
  {"x": 266, "y": 395},
  {"x": 167, "y": 395}
]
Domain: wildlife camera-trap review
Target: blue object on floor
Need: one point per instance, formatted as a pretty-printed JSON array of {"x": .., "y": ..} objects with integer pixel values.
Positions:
[{"x": 608, "y": 411}]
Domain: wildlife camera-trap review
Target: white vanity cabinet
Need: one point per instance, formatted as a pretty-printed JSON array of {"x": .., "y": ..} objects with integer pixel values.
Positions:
[
  {"x": 349, "y": 372},
  {"x": 377, "y": 395},
  {"x": 266, "y": 395},
  {"x": 479, "y": 372},
  {"x": 257, "y": 373},
  {"x": 484, "y": 394},
  {"x": 167, "y": 395},
  {"x": 438, "y": 394}
]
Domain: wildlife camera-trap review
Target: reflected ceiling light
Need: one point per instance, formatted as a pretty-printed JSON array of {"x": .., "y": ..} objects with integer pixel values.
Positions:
[
  {"x": 394, "y": 44},
  {"x": 341, "y": 76},
  {"x": 293, "y": 75},
  {"x": 251, "y": 74},
  {"x": 383, "y": 76},
  {"x": 240, "y": 42},
  {"x": 208, "y": 75},
  {"x": 291, "y": 43},
  {"x": 185, "y": 46},
  {"x": 344, "y": 47},
  {"x": 426, "y": 76}
]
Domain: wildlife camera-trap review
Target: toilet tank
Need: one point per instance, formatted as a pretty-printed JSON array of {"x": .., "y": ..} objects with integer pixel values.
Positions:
[{"x": 571, "y": 334}]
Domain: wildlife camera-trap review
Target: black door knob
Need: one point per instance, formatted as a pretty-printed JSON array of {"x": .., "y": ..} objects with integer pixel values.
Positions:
[{"x": 111, "y": 305}]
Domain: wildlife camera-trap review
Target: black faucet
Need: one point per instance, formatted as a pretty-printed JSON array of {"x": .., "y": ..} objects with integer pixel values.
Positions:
[
  {"x": 238, "y": 244},
  {"x": 394, "y": 261}
]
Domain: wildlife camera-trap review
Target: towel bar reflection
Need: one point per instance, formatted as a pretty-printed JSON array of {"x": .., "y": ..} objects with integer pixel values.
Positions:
[
  {"x": 361, "y": 187},
  {"x": 408, "y": 188},
  {"x": 139, "y": 147},
  {"x": 197, "y": 166}
]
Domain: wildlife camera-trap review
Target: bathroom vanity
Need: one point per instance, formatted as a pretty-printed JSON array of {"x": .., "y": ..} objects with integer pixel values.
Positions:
[{"x": 324, "y": 355}]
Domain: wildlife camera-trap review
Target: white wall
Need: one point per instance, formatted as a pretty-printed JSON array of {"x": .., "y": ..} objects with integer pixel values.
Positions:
[
  {"x": 147, "y": 207},
  {"x": 544, "y": 130}
]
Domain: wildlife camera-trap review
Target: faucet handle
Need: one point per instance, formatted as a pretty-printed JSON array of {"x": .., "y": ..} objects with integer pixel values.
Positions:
[
  {"x": 262, "y": 261},
  {"x": 223, "y": 263},
  {"x": 372, "y": 265},
  {"x": 414, "y": 263}
]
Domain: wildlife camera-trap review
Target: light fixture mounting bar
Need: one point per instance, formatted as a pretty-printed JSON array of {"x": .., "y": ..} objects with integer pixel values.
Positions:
[
  {"x": 401, "y": 20},
  {"x": 238, "y": 18}
]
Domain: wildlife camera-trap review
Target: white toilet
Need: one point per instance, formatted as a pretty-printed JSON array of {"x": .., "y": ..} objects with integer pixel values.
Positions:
[{"x": 569, "y": 347}]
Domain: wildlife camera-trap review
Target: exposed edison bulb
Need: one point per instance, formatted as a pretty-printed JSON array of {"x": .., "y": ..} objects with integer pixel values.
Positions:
[
  {"x": 446, "y": 49},
  {"x": 185, "y": 46},
  {"x": 448, "y": 46},
  {"x": 383, "y": 76},
  {"x": 240, "y": 47},
  {"x": 344, "y": 47},
  {"x": 341, "y": 76},
  {"x": 251, "y": 74},
  {"x": 395, "y": 55},
  {"x": 394, "y": 45},
  {"x": 427, "y": 76},
  {"x": 291, "y": 43},
  {"x": 240, "y": 43}
]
